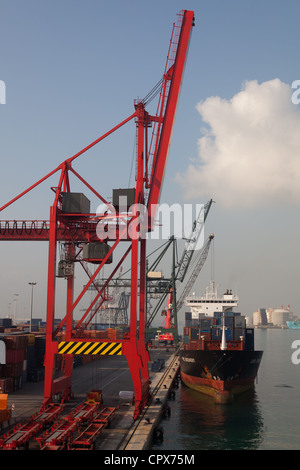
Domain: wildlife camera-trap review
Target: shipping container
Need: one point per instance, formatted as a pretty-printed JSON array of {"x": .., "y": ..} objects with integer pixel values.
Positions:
[
  {"x": 249, "y": 339},
  {"x": 205, "y": 324},
  {"x": 6, "y": 322},
  {"x": 17, "y": 383},
  {"x": 206, "y": 335},
  {"x": 96, "y": 252},
  {"x": 76, "y": 203},
  {"x": 31, "y": 362},
  {"x": 123, "y": 198},
  {"x": 35, "y": 375},
  {"x": 216, "y": 334},
  {"x": 218, "y": 314},
  {"x": 13, "y": 370},
  {"x": 229, "y": 321},
  {"x": 238, "y": 332},
  {"x": 7, "y": 385},
  {"x": 186, "y": 331},
  {"x": 194, "y": 333},
  {"x": 14, "y": 355},
  {"x": 188, "y": 315},
  {"x": 16, "y": 341},
  {"x": 31, "y": 339},
  {"x": 40, "y": 348},
  {"x": 240, "y": 322}
]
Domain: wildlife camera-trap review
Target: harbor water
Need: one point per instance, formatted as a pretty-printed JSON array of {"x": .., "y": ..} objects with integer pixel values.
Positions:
[{"x": 267, "y": 418}]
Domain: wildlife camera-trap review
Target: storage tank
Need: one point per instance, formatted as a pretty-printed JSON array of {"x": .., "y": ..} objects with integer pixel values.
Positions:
[{"x": 280, "y": 316}]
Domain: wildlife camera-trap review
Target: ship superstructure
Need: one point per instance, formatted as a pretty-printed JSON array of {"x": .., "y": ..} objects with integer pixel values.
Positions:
[{"x": 211, "y": 302}]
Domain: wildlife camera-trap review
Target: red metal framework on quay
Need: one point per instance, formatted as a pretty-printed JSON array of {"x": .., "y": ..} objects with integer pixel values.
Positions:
[{"x": 71, "y": 229}]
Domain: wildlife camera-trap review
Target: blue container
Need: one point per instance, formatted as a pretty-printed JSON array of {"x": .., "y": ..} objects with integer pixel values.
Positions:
[
  {"x": 216, "y": 334},
  {"x": 218, "y": 314},
  {"x": 188, "y": 315},
  {"x": 249, "y": 339},
  {"x": 194, "y": 333},
  {"x": 229, "y": 321},
  {"x": 240, "y": 322},
  {"x": 31, "y": 362},
  {"x": 35, "y": 375},
  {"x": 205, "y": 324},
  {"x": 6, "y": 322}
]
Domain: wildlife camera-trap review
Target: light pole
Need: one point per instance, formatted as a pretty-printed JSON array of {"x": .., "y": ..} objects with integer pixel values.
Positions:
[
  {"x": 31, "y": 303},
  {"x": 15, "y": 307}
]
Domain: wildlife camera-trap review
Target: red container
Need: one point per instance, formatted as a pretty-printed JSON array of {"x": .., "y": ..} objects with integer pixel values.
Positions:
[
  {"x": 206, "y": 334},
  {"x": 186, "y": 331},
  {"x": 7, "y": 385},
  {"x": 16, "y": 341},
  {"x": 13, "y": 370},
  {"x": 14, "y": 355}
]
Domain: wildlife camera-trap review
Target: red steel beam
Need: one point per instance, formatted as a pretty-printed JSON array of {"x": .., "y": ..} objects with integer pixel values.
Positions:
[
  {"x": 61, "y": 227},
  {"x": 169, "y": 117}
]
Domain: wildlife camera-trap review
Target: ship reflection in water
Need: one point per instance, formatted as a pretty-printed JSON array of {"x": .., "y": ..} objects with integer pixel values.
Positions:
[{"x": 198, "y": 423}]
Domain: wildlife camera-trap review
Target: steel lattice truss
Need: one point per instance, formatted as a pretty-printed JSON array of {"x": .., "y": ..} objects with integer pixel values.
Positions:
[{"x": 74, "y": 229}]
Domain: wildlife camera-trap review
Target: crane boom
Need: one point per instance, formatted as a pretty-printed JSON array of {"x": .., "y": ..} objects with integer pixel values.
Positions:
[
  {"x": 173, "y": 78},
  {"x": 195, "y": 273},
  {"x": 191, "y": 243}
]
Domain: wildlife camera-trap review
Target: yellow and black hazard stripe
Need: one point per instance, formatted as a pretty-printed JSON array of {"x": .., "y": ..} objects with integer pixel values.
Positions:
[{"x": 90, "y": 347}]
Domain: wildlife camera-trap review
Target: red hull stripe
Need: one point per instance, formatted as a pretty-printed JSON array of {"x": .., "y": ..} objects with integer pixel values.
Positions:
[{"x": 211, "y": 386}]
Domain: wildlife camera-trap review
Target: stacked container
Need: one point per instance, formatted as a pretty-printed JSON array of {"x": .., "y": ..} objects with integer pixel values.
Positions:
[
  {"x": 16, "y": 362},
  {"x": 235, "y": 325},
  {"x": 211, "y": 329},
  {"x": 35, "y": 359}
]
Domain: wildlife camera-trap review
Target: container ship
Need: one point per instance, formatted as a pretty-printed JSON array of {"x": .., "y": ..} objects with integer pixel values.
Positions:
[{"x": 218, "y": 356}]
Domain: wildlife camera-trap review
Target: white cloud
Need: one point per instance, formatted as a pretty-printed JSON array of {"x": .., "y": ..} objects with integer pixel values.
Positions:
[{"x": 250, "y": 153}]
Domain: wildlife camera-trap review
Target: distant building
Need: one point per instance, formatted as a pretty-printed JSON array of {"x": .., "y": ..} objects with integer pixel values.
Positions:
[
  {"x": 272, "y": 316},
  {"x": 260, "y": 317}
]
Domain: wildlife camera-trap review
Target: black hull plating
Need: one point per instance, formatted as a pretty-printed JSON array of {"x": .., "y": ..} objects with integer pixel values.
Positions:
[{"x": 217, "y": 371}]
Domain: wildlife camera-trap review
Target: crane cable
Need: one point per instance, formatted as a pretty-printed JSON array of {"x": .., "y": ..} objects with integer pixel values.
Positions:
[{"x": 152, "y": 93}]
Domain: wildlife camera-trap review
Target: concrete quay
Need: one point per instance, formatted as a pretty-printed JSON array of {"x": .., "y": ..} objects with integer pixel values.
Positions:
[
  {"x": 111, "y": 375},
  {"x": 140, "y": 437},
  {"x": 128, "y": 435}
]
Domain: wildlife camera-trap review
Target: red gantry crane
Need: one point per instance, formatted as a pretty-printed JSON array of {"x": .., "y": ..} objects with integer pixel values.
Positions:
[{"x": 73, "y": 226}]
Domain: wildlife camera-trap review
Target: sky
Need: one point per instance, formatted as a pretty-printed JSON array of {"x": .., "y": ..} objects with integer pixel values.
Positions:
[{"x": 72, "y": 70}]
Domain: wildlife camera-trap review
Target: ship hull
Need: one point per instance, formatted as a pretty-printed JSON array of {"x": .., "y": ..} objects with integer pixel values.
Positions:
[
  {"x": 293, "y": 325},
  {"x": 220, "y": 374}
]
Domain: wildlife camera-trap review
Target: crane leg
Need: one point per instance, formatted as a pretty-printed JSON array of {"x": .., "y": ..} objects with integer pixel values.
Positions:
[{"x": 139, "y": 377}]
